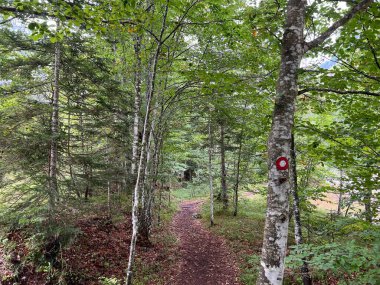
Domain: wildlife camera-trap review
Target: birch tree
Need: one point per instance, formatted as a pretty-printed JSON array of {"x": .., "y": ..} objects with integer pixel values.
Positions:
[
  {"x": 294, "y": 48},
  {"x": 53, "y": 159}
]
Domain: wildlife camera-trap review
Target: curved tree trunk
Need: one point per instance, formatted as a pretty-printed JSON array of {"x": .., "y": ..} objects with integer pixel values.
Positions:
[{"x": 141, "y": 166}]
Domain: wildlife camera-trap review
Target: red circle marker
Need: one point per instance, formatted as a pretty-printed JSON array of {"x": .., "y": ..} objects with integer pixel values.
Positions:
[{"x": 282, "y": 163}]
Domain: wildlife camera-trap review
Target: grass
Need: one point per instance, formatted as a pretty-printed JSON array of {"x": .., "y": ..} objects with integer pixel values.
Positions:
[
  {"x": 244, "y": 234},
  {"x": 190, "y": 192}
]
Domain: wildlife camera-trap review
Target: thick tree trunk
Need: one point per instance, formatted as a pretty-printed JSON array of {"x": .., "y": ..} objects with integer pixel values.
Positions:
[
  {"x": 210, "y": 173},
  {"x": 146, "y": 191},
  {"x": 306, "y": 278},
  {"x": 223, "y": 173},
  {"x": 53, "y": 183},
  {"x": 277, "y": 215}
]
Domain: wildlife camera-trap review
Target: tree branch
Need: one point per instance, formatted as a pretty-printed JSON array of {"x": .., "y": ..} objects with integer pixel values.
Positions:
[
  {"x": 342, "y": 21},
  {"x": 349, "y": 66},
  {"x": 354, "y": 92},
  {"x": 180, "y": 22},
  {"x": 374, "y": 54}
]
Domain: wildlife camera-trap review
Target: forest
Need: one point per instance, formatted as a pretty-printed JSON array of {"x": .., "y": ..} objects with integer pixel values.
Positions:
[{"x": 189, "y": 142}]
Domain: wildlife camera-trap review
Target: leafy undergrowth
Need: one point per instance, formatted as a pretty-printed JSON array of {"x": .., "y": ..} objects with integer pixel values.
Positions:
[
  {"x": 351, "y": 261},
  {"x": 96, "y": 251}
]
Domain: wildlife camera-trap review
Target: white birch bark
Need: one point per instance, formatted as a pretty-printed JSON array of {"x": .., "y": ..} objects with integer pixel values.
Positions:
[
  {"x": 140, "y": 169},
  {"x": 277, "y": 215},
  {"x": 137, "y": 105},
  {"x": 53, "y": 183}
]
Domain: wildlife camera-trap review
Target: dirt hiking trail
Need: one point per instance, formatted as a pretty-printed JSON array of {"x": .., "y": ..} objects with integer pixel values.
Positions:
[{"x": 204, "y": 257}]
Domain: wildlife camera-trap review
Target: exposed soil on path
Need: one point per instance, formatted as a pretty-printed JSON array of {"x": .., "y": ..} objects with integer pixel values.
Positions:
[{"x": 204, "y": 257}]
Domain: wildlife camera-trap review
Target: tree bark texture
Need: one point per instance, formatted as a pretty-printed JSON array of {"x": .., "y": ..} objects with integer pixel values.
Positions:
[
  {"x": 277, "y": 215},
  {"x": 279, "y": 143},
  {"x": 140, "y": 169},
  {"x": 137, "y": 105},
  {"x": 53, "y": 168}
]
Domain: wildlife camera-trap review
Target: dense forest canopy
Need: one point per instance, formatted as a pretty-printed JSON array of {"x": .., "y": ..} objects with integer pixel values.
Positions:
[{"x": 109, "y": 108}]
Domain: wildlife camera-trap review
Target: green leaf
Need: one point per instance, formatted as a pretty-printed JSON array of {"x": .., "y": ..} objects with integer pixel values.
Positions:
[{"x": 33, "y": 26}]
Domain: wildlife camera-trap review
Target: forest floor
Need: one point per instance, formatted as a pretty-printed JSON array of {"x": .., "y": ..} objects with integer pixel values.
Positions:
[
  {"x": 4, "y": 271},
  {"x": 204, "y": 258},
  {"x": 98, "y": 255}
]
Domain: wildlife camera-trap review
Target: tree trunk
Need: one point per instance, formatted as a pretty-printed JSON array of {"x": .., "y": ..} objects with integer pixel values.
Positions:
[
  {"x": 53, "y": 184},
  {"x": 135, "y": 206},
  {"x": 368, "y": 206},
  {"x": 340, "y": 200},
  {"x": 306, "y": 278},
  {"x": 146, "y": 191},
  {"x": 210, "y": 173},
  {"x": 137, "y": 106},
  {"x": 237, "y": 179},
  {"x": 140, "y": 169},
  {"x": 223, "y": 173},
  {"x": 277, "y": 215}
]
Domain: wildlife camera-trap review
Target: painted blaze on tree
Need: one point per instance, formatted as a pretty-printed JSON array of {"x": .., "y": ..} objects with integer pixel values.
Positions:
[
  {"x": 282, "y": 163},
  {"x": 277, "y": 216}
]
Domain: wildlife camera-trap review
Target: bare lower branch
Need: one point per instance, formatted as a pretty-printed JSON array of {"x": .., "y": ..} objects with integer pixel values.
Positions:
[{"x": 353, "y": 92}]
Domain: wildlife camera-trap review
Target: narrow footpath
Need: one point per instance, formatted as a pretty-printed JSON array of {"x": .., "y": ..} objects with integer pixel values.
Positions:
[{"x": 204, "y": 257}]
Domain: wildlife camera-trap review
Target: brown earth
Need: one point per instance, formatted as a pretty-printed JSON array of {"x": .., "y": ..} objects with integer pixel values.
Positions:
[
  {"x": 100, "y": 250},
  {"x": 204, "y": 258}
]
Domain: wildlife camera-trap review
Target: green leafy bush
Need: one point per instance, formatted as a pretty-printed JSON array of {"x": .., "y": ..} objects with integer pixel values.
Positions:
[{"x": 350, "y": 263}]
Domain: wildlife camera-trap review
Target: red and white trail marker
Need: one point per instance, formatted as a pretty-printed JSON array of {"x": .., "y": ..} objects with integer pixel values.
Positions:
[{"x": 282, "y": 163}]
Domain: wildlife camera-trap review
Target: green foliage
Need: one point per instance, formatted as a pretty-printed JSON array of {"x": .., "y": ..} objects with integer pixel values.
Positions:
[
  {"x": 350, "y": 262},
  {"x": 109, "y": 281},
  {"x": 190, "y": 192}
]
